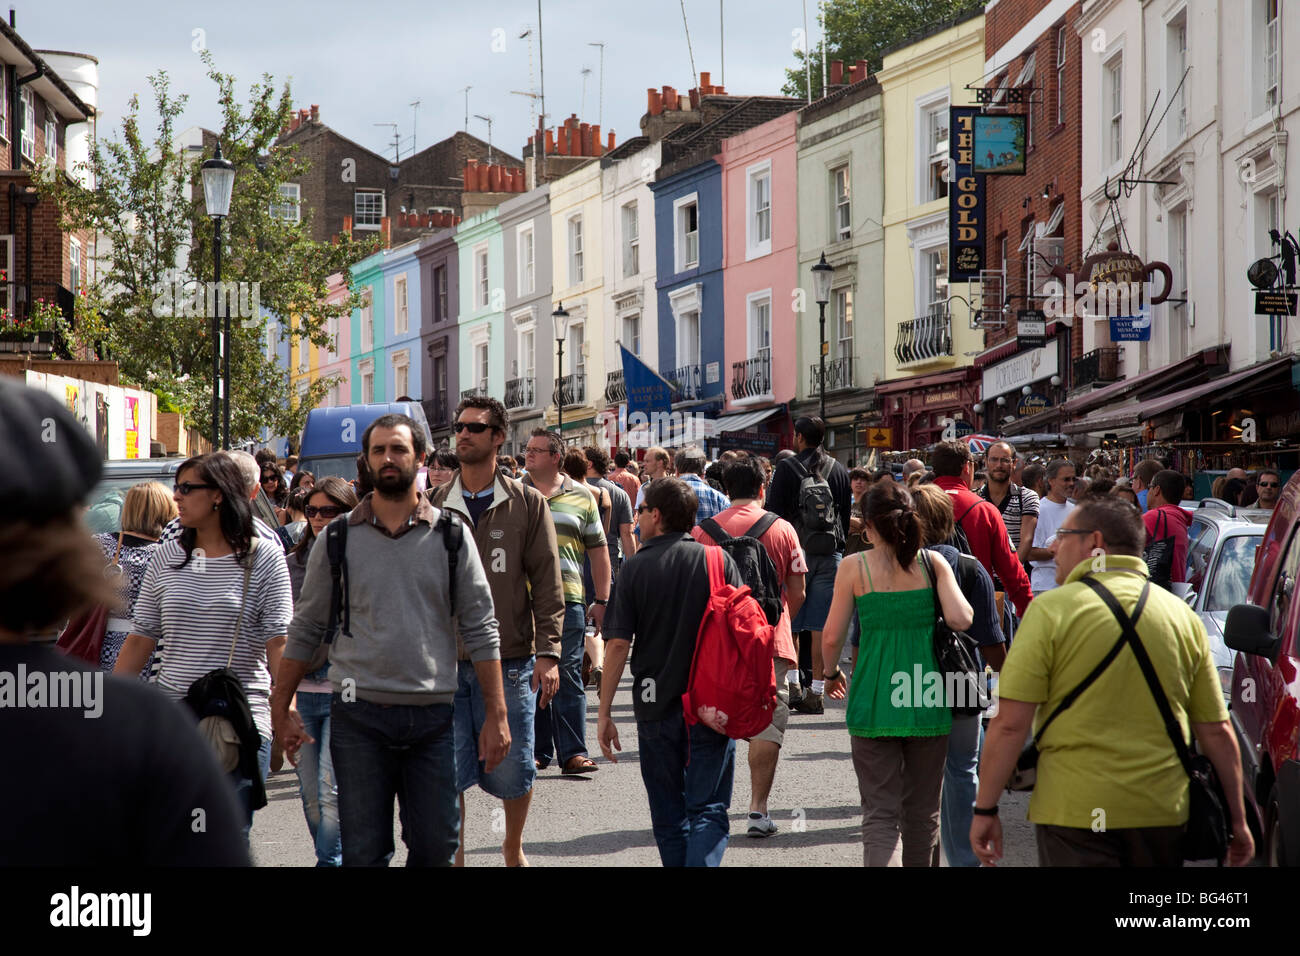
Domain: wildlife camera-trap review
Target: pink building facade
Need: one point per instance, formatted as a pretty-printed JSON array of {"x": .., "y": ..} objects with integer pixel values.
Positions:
[
  {"x": 760, "y": 269},
  {"x": 337, "y": 360}
]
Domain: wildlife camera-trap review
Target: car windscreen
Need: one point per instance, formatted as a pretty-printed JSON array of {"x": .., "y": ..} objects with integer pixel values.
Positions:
[
  {"x": 1231, "y": 581},
  {"x": 341, "y": 466}
]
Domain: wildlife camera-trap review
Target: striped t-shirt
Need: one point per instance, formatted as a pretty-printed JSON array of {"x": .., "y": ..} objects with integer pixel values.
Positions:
[
  {"x": 193, "y": 610},
  {"x": 577, "y": 530}
]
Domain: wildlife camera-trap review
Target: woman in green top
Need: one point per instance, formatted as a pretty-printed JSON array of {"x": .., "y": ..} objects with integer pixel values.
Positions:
[{"x": 897, "y": 714}]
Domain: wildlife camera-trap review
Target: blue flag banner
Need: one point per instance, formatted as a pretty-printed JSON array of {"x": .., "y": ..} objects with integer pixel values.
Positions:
[{"x": 647, "y": 392}]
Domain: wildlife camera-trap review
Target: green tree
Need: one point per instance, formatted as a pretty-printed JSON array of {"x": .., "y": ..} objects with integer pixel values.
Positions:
[
  {"x": 863, "y": 29},
  {"x": 148, "y": 203}
]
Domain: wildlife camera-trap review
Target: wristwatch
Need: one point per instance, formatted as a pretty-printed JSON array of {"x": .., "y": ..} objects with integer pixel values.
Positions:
[
  {"x": 601, "y": 601},
  {"x": 982, "y": 812},
  {"x": 836, "y": 676}
]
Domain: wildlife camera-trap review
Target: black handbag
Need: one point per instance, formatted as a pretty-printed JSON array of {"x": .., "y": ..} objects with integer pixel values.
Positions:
[
  {"x": 1026, "y": 773},
  {"x": 955, "y": 655},
  {"x": 1159, "y": 557},
  {"x": 1206, "y": 834}
]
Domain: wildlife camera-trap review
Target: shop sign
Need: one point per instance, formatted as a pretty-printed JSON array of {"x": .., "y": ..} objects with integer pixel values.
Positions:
[
  {"x": 1033, "y": 403},
  {"x": 946, "y": 397},
  {"x": 1271, "y": 302},
  {"x": 965, "y": 200},
  {"x": 880, "y": 437},
  {"x": 1131, "y": 328},
  {"x": 1023, "y": 368},
  {"x": 1031, "y": 328}
]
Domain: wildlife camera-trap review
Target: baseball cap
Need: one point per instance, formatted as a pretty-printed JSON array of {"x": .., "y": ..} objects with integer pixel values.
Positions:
[{"x": 51, "y": 462}]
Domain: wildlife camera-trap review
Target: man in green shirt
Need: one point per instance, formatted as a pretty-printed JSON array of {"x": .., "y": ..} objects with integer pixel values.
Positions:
[{"x": 1110, "y": 790}]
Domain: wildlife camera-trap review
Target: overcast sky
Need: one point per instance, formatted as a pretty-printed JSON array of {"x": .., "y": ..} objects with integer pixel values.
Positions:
[{"x": 364, "y": 63}]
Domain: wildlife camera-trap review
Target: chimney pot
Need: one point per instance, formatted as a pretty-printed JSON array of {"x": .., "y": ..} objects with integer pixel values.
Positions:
[
  {"x": 595, "y": 139},
  {"x": 550, "y": 141},
  {"x": 484, "y": 176},
  {"x": 837, "y": 72},
  {"x": 656, "y": 105},
  {"x": 704, "y": 80},
  {"x": 863, "y": 70},
  {"x": 315, "y": 113},
  {"x": 563, "y": 144},
  {"x": 610, "y": 147}
]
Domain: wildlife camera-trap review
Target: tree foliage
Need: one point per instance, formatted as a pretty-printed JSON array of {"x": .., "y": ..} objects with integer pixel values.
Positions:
[
  {"x": 863, "y": 29},
  {"x": 148, "y": 204}
]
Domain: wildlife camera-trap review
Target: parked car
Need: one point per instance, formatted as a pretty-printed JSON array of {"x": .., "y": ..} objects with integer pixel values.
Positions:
[
  {"x": 1265, "y": 707},
  {"x": 1221, "y": 545},
  {"x": 104, "y": 513},
  {"x": 331, "y": 438}
]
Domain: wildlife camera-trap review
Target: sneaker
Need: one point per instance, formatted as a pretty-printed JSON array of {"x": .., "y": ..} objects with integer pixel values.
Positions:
[
  {"x": 761, "y": 825},
  {"x": 796, "y": 694},
  {"x": 809, "y": 703}
]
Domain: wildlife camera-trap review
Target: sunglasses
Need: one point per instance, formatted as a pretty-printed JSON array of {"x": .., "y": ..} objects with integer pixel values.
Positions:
[
  {"x": 185, "y": 487},
  {"x": 325, "y": 511},
  {"x": 1267, "y": 484},
  {"x": 643, "y": 508},
  {"x": 475, "y": 428},
  {"x": 266, "y": 478}
]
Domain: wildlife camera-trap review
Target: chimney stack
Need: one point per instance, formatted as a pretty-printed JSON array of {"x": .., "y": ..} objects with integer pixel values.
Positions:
[
  {"x": 837, "y": 72},
  {"x": 386, "y": 231},
  {"x": 863, "y": 70},
  {"x": 315, "y": 113}
]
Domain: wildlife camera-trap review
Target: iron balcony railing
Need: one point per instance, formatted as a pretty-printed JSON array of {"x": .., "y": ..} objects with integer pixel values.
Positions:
[
  {"x": 688, "y": 381},
  {"x": 436, "y": 411},
  {"x": 839, "y": 375},
  {"x": 925, "y": 338},
  {"x": 1099, "y": 365},
  {"x": 519, "y": 393},
  {"x": 615, "y": 388},
  {"x": 572, "y": 389},
  {"x": 752, "y": 377},
  {"x": 478, "y": 391}
]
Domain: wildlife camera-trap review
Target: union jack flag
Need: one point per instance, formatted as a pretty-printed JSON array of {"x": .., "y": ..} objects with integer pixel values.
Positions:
[{"x": 979, "y": 444}]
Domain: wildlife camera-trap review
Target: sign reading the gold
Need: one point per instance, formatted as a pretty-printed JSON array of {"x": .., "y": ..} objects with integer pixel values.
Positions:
[{"x": 965, "y": 198}]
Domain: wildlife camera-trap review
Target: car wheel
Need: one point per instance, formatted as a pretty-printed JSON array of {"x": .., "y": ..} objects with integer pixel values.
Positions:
[{"x": 1274, "y": 846}]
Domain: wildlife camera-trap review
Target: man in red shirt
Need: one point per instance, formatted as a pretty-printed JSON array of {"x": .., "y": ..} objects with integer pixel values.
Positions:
[
  {"x": 743, "y": 481},
  {"x": 980, "y": 520},
  {"x": 624, "y": 478},
  {"x": 1165, "y": 519}
]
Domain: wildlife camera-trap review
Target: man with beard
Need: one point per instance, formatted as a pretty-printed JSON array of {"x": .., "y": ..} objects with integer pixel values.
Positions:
[
  {"x": 393, "y": 666},
  {"x": 1017, "y": 505}
]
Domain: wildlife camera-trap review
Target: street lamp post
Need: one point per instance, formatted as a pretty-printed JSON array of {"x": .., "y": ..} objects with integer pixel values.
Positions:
[
  {"x": 561, "y": 320},
  {"x": 218, "y": 181},
  {"x": 822, "y": 274}
]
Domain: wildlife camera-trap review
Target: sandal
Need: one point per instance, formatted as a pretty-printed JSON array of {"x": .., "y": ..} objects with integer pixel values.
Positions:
[{"x": 579, "y": 765}]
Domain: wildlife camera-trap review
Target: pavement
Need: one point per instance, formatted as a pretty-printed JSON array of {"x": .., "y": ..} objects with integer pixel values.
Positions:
[{"x": 603, "y": 819}]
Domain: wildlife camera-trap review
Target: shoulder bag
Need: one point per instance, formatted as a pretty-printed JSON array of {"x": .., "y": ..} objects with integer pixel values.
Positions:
[
  {"x": 1206, "y": 835},
  {"x": 83, "y": 638},
  {"x": 955, "y": 655}
]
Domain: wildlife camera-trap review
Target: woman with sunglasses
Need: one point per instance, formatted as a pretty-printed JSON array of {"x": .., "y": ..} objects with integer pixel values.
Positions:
[
  {"x": 320, "y": 795},
  {"x": 274, "y": 485},
  {"x": 194, "y": 599}
]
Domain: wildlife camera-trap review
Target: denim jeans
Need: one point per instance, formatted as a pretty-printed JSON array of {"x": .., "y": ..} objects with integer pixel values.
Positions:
[
  {"x": 960, "y": 781},
  {"x": 244, "y": 786},
  {"x": 562, "y": 727},
  {"x": 514, "y": 776},
  {"x": 403, "y": 751},
  {"x": 688, "y": 801},
  {"x": 316, "y": 784}
]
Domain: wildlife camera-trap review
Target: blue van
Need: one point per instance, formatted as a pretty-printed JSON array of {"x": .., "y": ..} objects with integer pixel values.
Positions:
[{"x": 331, "y": 439}]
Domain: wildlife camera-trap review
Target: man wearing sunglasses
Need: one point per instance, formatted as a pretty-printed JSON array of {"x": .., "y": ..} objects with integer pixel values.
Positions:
[
  {"x": 1052, "y": 512},
  {"x": 1269, "y": 485},
  {"x": 516, "y": 543}
]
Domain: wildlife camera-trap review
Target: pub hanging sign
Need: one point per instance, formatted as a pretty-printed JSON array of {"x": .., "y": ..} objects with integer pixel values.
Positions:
[{"x": 965, "y": 199}]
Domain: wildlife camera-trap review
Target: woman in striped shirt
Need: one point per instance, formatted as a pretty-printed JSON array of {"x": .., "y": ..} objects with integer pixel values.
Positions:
[{"x": 193, "y": 593}]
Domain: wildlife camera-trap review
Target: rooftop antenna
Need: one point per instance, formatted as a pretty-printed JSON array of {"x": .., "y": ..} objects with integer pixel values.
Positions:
[
  {"x": 415, "y": 117},
  {"x": 689, "y": 52},
  {"x": 586, "y": 72},
  {"x": 527, "y": 34},
  {"x": 488, "y": 120},
  {"x": 600, "y": 110},
  {"x": 396, "y": 140},
  {"x": 541, "y": 68},
  {"x": 466, "y": 92}
]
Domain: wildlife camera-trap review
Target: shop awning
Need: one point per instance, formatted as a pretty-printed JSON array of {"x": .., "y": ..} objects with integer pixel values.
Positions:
[
  {"x": 1148, "y": 382},
  {"x": 1226, "y": 386},
  {"x": 743, "y": 420}
]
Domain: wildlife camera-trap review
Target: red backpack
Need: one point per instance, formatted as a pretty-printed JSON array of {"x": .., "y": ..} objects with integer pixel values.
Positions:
[{"x": 732, "y": 688}]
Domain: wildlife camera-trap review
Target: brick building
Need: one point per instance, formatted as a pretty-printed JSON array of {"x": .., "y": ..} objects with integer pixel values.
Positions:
[
  {"x": 1032, "y": 222},
  {"x": 37, "y": 108}
]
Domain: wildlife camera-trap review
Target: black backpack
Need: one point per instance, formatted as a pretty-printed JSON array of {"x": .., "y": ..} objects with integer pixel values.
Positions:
[
  {"x": 753, "y": 561},
  {"x": 817, "y": 518},
  {"x": 336, "y": 543}
]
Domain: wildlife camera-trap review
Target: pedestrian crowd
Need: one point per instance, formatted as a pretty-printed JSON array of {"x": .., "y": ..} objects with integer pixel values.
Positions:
[{"x": 436, "y": 623}]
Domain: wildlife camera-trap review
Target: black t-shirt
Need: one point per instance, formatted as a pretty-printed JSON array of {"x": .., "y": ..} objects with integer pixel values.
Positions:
[
  {"x": 783, "y": 496},
  {"x": 476, "y": 504},
  {"x": 664, "y": 630},
  {"x": 134, "y": 786}
]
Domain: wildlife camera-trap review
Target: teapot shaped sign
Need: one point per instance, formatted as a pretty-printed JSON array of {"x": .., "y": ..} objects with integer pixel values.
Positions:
[{"x": 1111, "y": 284}]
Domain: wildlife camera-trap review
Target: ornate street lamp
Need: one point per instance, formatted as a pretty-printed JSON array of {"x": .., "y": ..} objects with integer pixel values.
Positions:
[
  {"x": 822, "y": 273},
  {"x": 561, "y": 320},
  {"x": 218, "y": 183}
]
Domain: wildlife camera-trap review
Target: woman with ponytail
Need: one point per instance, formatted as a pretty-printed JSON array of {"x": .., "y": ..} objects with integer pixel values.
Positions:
[{"x": 898, "y": 715}]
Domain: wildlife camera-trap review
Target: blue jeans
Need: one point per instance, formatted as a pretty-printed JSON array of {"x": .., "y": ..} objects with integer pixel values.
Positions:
[
  {"x": 385, "y": 751},
  {"x": 562, "y": 727},
  {"x": 688, "y": 801},
  {"x": 515, "y": 775},
  {"x": 960, "y": 781},
  {"x": 316, "y": 784},
  {"x": 244, "y": 786}
]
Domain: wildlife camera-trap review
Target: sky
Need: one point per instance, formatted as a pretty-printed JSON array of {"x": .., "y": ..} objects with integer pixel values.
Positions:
[{"x": 364, "y": 64}]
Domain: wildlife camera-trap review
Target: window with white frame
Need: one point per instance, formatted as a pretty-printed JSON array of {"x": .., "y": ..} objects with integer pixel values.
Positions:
[
  {"x": 1267, "y": 70},
  {"x": 74, "y": 265},
  {"x": 631, "y": 241},
  {"x": 1026, "y": 80},
  {"x": 28, "y": 144},
  {"x": 1060, "y": 75},
  {"x": 440, "y": 378},
  {"x": 367, "y": 209},
  {"x": 577, "y": 336},
  {"x": 526, "y": 261},
  {"x": 401, "y": 374},
  {"x": 51, "y": 137},
  {"x": 367, "y": 369},
  {"x": 367, "y": 323},
  {"x": 288, "y": 207},
  {"x": 401, "y": 312},
  {"x": 1178, "y": 266},
  {"x": 1268, "y": 217},
  {"x": 482, "y": 292},
  {"x": 4, "y": 106},
  {"x": 934, "y": 272},
  {"x": 758, "y": 229},
  {"x": 440, "y": 293},
  {"x": 843, "y": 322},
  {"x": 1176, "y": 64},
  {"x": 842, "y": 220},
  {"x": 632, "y": 333},
  {"x": 480, "y": 366},
  {"x": 687, "y": 234},
  {"x": 304, "y": 355},
  {"x": 688, "y": 338},
  {"x": 1114, "y": 101},
  {"x": 935, "y": 146},
  {"x": 576, "y": 271},
  {"x": 528, "y": 351},
  {"x": 760, "y": 327}
]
